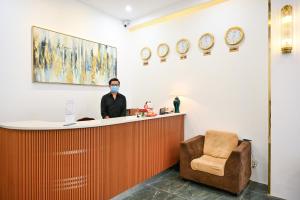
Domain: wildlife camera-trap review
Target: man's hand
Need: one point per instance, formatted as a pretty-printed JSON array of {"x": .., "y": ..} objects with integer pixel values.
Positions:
[{"x": 106, "y": 117}]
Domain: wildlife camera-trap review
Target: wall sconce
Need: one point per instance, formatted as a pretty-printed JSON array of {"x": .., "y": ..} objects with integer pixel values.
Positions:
[{"x": 287, "y": 29}]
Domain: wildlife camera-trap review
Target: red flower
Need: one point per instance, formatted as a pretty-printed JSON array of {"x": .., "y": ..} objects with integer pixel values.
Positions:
[{"x": 143, "y": 110}]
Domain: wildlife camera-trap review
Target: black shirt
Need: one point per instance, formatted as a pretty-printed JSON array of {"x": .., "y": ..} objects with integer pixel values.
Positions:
[{"x": 113, "y": 107}]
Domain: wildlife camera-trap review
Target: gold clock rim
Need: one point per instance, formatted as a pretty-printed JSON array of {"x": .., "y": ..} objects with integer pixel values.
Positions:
[
  {"x": 233, "y": 28},
  {"x": 188, "y": 47},
  {"x": 212, "y": 43},
  {"x": 145, "y": 48},
  {"x": 166, "y": 54}
]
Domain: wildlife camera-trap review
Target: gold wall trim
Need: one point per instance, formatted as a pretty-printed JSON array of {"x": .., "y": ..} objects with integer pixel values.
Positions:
[
  {"x": 269, "y": 91},
  {"x": 178, "y": 14}
]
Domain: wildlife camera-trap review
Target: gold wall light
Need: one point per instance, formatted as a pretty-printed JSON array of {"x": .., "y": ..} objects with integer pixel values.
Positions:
[{"x": 287, "y": 29}]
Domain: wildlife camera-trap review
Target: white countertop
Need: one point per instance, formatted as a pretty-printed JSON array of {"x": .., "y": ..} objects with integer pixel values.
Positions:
[{"x": 44, "y": 125}]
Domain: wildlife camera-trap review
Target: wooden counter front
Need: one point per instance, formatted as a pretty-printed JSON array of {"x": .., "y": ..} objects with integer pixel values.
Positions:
[{"x": 86, "y": 163}]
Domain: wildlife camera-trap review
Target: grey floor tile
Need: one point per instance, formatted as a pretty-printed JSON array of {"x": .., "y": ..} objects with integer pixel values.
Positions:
[
  {"x": 169, "y": 183},
  {"x": 151, "y": 193},
  {"x": 257, "y": 187},
  {"x": 172, "y": 174},
  {"x": 251, "y": 195},
  {"x": 232, "y": 197},
  {"x": 168, "y": 172},
  {"x": 129, "y": 192},
  {"x": 195, "y": 191},
  {"x": 169, "y": 186},
  {"x": 275, "y": 198}
]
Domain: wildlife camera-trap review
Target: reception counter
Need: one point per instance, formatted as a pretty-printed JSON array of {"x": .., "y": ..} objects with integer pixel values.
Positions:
[{"x": 91, "y": 160}]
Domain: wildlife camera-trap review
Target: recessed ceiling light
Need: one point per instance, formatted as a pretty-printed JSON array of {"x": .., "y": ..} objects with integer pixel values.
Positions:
[{"x": 128, "y": 8}]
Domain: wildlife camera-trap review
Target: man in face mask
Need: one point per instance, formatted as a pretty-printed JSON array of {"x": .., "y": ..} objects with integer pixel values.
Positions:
[{"x": 113, "y": 104}]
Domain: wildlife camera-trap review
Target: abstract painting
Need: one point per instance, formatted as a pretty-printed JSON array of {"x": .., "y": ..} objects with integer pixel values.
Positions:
[{"x": 60, "y": 58}]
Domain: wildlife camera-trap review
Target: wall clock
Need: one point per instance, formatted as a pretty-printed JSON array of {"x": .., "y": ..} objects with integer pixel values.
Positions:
[
  {"x": 233, "y": 38},
  {"x": 163, "y": 51},
  {"x": 182, "y": 47},
  {"x": 206, "y": 43},
  {"x": 146, "y": 55}
]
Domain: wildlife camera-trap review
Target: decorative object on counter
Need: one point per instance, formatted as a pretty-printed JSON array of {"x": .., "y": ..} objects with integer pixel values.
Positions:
[
  {"x": 163, "y": 51},
  {"x": 234, "y": 37},
  {"x": 182, "y": 47},
  {"x": 146, "y": 55},
  {"x": 148, "y": 106},
  {"x": 162, "y": 111},
  {"x": 165, "y": 110},
  {"x": 169, "y": 110},
  {"x": 69, "y": 112},
  {"x": 151, "y": 114},
  {"x": 61, "y": 58},
  {"x": 142, "y": 112},
  {"x": 176, "y": 104},
  {"x": 287, "y": 29},
  {"x": 206, "y": 43}
]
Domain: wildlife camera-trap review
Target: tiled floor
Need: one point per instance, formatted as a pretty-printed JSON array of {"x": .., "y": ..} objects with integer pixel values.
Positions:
[{"x": 168, "y": 185}]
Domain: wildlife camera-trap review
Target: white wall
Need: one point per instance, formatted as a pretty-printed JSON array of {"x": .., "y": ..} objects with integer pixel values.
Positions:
[
  {"x": 225, "y": 91},
  {"x": 23, "y": 100},
  {"x": 285, "y": 171}
]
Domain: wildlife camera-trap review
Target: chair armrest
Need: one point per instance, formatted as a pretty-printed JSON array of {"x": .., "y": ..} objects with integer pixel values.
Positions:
[
  {"x": 191, "y": 149},
  {"x": 239, "y": 161}
]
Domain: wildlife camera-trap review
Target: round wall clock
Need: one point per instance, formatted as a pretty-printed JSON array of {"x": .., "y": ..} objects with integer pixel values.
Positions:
[
  {"x": 206, "y": 43},
  {"x": 163, "y": 51},
  {"x": 233, "y": 38},
  {"x": 146, "y": 55},
  {"x": 182, "y": 47}
]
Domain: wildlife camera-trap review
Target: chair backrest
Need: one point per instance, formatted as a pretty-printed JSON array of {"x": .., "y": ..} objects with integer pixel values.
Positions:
[
  {"x": 219, "y": 144},
  {"x": 132, "y": 111},
  {"x": 85, "y": 119}
]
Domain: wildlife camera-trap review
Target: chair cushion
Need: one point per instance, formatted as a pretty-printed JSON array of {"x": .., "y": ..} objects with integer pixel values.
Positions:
[
  {"x": 209, "y": 164},
  {"x": 219, "y": 144}
]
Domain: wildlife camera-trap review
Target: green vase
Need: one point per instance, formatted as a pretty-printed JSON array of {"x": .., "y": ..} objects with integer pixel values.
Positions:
[{"x": 176, "y": 104}]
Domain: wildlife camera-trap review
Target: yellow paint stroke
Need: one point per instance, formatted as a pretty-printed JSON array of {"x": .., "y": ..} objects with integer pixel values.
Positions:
[
  {"x": 93, "y": 71},
  {"x": 181, "y": 13}
]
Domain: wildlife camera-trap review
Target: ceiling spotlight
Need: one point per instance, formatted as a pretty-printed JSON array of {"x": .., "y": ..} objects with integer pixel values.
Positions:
[{"x": 128, "y": 8}]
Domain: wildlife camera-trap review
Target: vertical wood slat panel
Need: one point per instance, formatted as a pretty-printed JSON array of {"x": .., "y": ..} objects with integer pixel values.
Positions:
[{"x": 86, "y": 164}]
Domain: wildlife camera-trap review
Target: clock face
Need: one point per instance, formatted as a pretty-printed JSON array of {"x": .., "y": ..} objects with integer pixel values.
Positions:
[
  {"x": 183, "y": 46},
  {"x": 162, "y": 50},
  {"x": 234, "y": 36},
  {"x": 206, "y": 41},
  {"x": 145, "y": 53}
]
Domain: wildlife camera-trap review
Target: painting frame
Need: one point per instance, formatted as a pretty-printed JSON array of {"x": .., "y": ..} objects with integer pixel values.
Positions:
[{"x": 110, "y": 52}]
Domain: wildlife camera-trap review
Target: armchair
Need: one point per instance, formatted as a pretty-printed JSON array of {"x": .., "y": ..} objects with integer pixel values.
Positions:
[{"x": 237, "y": 170}]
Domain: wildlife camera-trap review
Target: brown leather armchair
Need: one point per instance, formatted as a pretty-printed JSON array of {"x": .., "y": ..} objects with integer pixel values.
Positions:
[{"x": 237, "y": 170}]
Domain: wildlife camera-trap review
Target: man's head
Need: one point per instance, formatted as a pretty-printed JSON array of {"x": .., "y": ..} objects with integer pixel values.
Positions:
[{"x": 114, "y": 85}]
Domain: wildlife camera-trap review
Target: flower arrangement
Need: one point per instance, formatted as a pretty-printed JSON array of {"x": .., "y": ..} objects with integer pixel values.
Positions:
[
  {"x": 146, "y": 113},
  {"x": 143, "y": 112}
]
